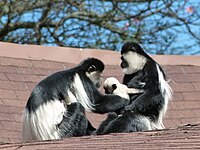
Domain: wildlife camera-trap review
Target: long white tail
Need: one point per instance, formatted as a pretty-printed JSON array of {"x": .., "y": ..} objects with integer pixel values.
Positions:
[
  {"x": 164, "y": 86},
  {"x": 166, "y": 92},
  {"x": 41, "y": 124}
]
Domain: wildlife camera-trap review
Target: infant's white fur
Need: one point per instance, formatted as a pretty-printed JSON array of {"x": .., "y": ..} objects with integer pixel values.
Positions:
[{"x": 113, "y": 86}]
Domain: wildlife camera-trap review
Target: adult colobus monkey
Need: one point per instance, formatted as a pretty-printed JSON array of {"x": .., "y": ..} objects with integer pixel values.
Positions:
[
  {"x": 147, "y": 109},
  {"x": 54, "y": 108}
]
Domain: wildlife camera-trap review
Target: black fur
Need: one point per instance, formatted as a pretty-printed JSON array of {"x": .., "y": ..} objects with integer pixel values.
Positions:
[
  {"x": 147, "y": 104},
  {"x": 56, "y": 86},
  {"x": 127, "y": 122},
  {"x": 74, "y": 122},
  {"x": 103, "y": 103}
]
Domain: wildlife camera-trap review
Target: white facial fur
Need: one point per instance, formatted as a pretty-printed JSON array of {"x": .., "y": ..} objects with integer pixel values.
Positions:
[
  {"x": 135, "y": 62},
  {"x": 109, "y": 82},
  {"x": 95, "y": 77}
]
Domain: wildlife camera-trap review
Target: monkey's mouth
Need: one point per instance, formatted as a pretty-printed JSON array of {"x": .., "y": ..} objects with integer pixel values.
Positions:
[
  {"x": 124, "y": 65},
  {"x": 106, "y": 91},
  {"x": 98, "y": 84}
]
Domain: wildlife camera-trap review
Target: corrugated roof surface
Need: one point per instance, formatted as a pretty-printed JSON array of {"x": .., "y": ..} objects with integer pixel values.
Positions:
[{"x": 19, "y": 75}]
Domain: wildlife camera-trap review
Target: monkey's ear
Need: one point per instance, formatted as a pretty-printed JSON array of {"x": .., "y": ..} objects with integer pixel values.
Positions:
[
  {"x": 92, "y": 68},
  {"x": 114, "y": 86}
]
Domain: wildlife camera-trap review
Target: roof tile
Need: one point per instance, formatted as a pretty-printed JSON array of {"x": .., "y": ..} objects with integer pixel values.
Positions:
[
  {"x": 33, "y": 71},
  {"x": 182, "y": 87},
  {"x": 14, "y": 126},
  {"x": 6, "y": 117},
  {"x": 185, "y": 105},
  {"x": 171, "y": 123},
  {"x": 191, "y": 96},
  {"x": 11, "y": 102},
  {"x": 1, "y": 102},
  {"x": 8, "y": 69},
  {"x": 185, "y": 137},
  {"x": 1, "y": 126},
  {"x": 3, "y": 76},
  {"x": 7, "y": 94},
  {"x": 30, "y": 85},
  {"x": 47, "y": 64},
  {"x": 185, "y": 114},
  {"x": 191, "y": 69},
  {"x": 173, "y": 70},
  {"x": 22, "y": 95},
  {"x": 196, "y": 86},
  {"x": 4, "y": 109},
  {"x": 12, "y": 85},
  {"x": 15, "y": 109},
  {"x": 190, "y": 120},
  {"x": 197, "y": 113},
  {"x": 10, "y": 134},
  {"x": 17, "y": 117},
  {"x": 22, "y": 77},
  {"x": 5, "y": 61},
  {"x": 177, "y": 96},
  {"x": 171, "y": 114},
  {"x": 4, "y": 140},
  {"x": 183, "y": 78}
]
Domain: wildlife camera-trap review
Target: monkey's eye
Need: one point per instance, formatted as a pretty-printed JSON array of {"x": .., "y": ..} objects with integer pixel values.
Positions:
[
  {"x": 92, "y": 68},
  {"x": 114, "y": 86},
  {"x": 132, "y": 48}
]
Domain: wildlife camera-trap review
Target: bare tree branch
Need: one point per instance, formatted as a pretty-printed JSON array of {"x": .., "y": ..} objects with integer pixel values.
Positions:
[{"x": 161, "y": 26}]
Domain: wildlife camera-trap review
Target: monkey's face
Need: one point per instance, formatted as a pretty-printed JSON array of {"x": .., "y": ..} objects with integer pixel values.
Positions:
[
  {"x": 132, "y": 59},
  {"x": 109, "y": 88},
  {"x": 110, "y": 84},
  {"x": 93, "y": 69},
  {"x": 132, "y": 62},
  {"x": 94, "y": 75}
]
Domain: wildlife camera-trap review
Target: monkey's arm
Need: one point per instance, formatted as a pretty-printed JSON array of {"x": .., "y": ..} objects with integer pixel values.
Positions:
[
  {"x": 109, "y": 103},
  {"x": 146, "y": 103},
  {"x": 74, "y": 122},
  {"x": 111, "y": 116},
  {"x": 133, "y": 91},
  {"x": 138, "y": 81}
]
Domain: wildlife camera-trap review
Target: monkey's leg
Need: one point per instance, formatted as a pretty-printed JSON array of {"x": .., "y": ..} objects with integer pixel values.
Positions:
[{"x": 111, "y": 116}]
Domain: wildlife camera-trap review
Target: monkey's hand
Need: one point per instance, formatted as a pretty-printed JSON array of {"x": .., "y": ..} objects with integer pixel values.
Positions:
[
  {"x": 133, "y": 91},
  {"x": 129, "y": 108}
]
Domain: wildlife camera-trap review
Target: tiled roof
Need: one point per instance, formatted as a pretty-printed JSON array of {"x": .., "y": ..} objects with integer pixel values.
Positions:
[
  {"x": 21, "y": 67},
  {"x": 184, "y": 138}
]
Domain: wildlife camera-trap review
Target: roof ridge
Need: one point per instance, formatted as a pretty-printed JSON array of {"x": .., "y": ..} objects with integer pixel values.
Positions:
[{"x": 75, "y": 55}]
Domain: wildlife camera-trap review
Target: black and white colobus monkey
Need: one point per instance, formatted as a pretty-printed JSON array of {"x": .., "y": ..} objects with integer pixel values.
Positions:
[
  {"x": 146, "y": 109},
  {"x": 55, "y": 108}
]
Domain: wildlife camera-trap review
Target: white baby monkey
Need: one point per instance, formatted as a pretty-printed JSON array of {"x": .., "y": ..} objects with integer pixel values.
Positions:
[{"x": 113, "y": 86}]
